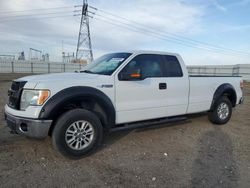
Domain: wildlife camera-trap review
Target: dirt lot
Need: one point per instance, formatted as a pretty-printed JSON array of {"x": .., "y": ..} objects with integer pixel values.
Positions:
[{"x": 190, "y": 154}]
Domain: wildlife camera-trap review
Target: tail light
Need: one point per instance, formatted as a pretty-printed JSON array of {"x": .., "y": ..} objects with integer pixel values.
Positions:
[{"x": 241, "y": 84}]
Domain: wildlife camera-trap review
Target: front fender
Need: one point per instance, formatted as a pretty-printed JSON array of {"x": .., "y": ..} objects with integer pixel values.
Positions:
[{"x": 53, "y": 105}]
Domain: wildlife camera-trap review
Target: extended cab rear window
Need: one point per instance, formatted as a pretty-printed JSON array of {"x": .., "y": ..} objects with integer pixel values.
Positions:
[{"x": 172, "y": 66}]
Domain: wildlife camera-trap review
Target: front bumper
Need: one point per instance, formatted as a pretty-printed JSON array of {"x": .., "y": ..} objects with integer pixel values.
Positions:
[
  {"x": 241, "y": 100},
  {"x": 33, "y": 128}
]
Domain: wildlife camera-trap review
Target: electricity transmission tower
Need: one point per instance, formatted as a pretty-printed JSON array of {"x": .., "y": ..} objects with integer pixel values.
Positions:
[{"x": 84, "y": 47}]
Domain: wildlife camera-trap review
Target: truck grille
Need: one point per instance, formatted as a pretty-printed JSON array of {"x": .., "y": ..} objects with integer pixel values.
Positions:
[{"x": 14, "y": 94}]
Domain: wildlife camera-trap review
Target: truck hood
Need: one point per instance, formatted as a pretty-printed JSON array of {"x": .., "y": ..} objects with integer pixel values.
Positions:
[
  {"x": 63, "y": 80},
  {"x": 58, "y": 77}
]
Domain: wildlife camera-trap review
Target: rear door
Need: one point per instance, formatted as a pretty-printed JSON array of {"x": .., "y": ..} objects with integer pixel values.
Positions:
[{"x": 177, "y": 80}]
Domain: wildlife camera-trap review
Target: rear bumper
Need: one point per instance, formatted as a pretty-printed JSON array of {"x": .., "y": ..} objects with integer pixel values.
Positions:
[{"x": 33, "y": 128}]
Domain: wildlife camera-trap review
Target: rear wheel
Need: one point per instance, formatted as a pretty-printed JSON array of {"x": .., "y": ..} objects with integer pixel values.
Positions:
[
  {"x": 222, "y": 111},
  {"x": 77, "y": 133}
]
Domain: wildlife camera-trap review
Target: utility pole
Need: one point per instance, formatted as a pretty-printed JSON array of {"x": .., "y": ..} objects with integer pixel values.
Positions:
[{"x": 84, "y": 47}]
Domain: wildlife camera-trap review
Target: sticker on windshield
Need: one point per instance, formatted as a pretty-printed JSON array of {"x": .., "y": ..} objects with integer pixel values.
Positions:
[{"x": 117, "y": 59}]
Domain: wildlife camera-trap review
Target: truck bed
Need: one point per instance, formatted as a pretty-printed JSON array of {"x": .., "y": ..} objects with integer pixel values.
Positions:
[{"x": 203, "y": 87}]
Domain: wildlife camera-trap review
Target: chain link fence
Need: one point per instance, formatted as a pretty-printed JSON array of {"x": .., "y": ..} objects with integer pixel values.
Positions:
[
  {"x": 226, "y": 70},
  {"x": 37, "y": 67}
]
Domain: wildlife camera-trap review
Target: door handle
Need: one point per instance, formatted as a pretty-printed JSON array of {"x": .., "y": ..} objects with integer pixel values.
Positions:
[{"x": 162, "y": 86}]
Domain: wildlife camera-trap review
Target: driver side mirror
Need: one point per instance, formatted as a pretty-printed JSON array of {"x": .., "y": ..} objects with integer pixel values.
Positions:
[{"x": 133, "y": 75}]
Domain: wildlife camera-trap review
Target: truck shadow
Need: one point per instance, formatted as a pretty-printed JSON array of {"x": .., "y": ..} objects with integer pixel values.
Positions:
[
  {"x": 113, "y": 137},
  {"x": 190, "y": 118},
  {"x": 214, "y": 165}
]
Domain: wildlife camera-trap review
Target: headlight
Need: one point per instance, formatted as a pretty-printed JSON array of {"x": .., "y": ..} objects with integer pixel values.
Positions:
[{"x": 33, "y": 98}]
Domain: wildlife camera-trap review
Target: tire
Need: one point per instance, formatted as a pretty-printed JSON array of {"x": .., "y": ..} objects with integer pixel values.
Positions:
[
  {"x": 222, "y": 111},
  {"x": 84, "y": 133}
]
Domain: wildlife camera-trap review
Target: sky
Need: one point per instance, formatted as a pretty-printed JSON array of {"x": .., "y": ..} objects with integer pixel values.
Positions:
[{"x": 180, "y": 26}]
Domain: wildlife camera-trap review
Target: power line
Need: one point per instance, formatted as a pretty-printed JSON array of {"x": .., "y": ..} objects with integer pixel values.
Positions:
[
  {"x": 37, "y": 15},
  {"x": 170, "y": 35},
  {"x": 146, "y": 32},
  {"x": 36, "y": 18},
  {"x": 41, "y": 14},
  {"x": 40, "y": 9},
  {"x": 193, "y": 42},
  {"x": 126, "y": 26}
]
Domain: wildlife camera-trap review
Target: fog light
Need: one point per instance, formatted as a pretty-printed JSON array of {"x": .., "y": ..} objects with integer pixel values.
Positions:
[{"x": 23, "y": 127}]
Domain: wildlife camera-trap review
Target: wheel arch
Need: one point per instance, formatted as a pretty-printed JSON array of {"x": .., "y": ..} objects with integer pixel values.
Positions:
[
  {"x": 80, "y": 97},
  {"x": 224, "y": 90}
]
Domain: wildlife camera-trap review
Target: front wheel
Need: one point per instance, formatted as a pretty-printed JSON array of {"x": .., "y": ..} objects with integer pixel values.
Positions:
[
  {"x": 222, "y": 111},
  {"x": 77, "y": 133}
]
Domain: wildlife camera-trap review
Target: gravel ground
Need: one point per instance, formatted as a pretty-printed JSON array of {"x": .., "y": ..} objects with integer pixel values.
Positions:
[{"x": 194, "y": 153}]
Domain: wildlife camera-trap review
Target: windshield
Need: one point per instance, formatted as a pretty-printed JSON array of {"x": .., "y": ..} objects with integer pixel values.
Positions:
[{"x": 106, "y": 64}]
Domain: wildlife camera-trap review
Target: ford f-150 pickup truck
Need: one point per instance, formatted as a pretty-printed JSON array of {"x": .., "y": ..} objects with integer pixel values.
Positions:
[{"x": 116, "y": 91}]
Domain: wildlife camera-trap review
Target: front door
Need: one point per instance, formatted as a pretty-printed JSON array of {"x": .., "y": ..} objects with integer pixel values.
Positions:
[
  {"x": 145, "y": 98},
  {"x": 162, "y": 91}
]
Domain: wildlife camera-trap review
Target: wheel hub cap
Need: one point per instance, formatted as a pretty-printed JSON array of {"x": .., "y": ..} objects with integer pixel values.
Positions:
[
  {"x": 223, "y": 111},
  {"x": 79, "y": 135}
]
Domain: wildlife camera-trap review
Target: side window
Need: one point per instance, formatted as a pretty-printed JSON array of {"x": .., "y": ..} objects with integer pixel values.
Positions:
[
  {"x": 150, "y": 65},
  {"x": 172, "y": 66}
]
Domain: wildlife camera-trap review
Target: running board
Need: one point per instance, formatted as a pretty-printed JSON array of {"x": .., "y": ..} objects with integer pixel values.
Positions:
[{"x": 145, "y": 124}]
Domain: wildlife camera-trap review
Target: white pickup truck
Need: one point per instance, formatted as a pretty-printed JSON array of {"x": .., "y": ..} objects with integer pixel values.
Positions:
[{"x": 117, "y": 91}]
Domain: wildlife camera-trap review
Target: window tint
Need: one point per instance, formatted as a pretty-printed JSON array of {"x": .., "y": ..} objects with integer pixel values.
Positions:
[
  {"x": 172, "y": 66},
  {"x": 149, "y": 64}
]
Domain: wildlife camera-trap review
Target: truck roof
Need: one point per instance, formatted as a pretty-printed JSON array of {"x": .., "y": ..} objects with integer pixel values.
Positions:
[{"x": 151, "y": 52}]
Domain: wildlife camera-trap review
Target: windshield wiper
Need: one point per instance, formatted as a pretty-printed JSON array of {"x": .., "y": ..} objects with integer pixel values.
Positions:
[{"x": 88, "y": 71}]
